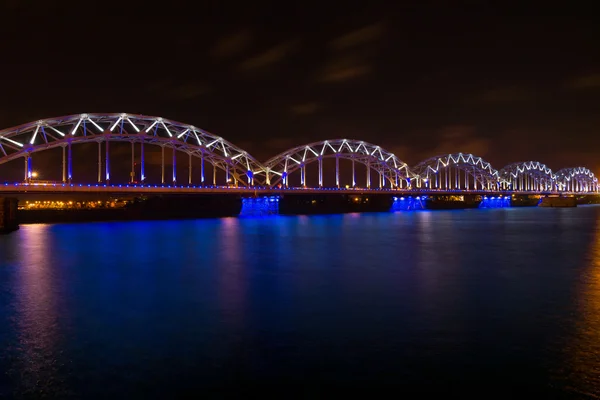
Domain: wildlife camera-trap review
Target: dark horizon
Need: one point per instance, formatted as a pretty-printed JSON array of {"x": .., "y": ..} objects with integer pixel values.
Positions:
[{"x": 419, "y": 80}]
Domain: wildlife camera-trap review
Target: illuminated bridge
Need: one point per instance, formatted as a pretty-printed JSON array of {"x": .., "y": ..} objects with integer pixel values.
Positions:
[{"x": 340, "y": 165}]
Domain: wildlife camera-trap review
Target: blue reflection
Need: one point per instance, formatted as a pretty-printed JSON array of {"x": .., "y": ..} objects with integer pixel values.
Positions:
[
  {"x": 260, "y": 206},
  {"x": 408, "y": 203},
  {"x": 495, "y": 202}
]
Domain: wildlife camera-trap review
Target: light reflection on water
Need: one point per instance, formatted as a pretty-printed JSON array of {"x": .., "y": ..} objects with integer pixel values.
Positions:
[
  {"x": 36, "y": 314},
  {"x": 505, "y": 298},
  {"x": 582, "y": 347}
]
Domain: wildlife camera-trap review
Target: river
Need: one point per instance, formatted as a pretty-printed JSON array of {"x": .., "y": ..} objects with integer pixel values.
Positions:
[{"x": 474, "y": 302}]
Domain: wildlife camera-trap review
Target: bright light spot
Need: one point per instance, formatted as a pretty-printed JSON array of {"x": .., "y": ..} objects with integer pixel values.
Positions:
[{"x": 34, "y": 174}]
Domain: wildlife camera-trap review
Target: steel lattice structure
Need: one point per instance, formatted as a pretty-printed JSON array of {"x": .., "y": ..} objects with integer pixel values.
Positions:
[
  {"x": 578, "y": 179},
  {"x": 391, "y": 170},
  {"x": 528, "y": 176},
  {"x": 456, "y": 172},
  {"x": 26, "y": 139}
]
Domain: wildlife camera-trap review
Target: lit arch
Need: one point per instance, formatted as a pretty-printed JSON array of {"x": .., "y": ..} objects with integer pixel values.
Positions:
[
  {"x": 392, "y": 171},
  {"x": 456, "y": 172},
  {"x": 527, "y": 176},
  {"x": 23, "y": 140},
  {"x": 577, "y": 179}
]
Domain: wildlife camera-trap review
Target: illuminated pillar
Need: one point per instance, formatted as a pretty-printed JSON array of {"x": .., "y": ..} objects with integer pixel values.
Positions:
[
  {"x": 64, "y": 165},
  {"x": 353, "y": 174},
  {"x": 132, "y": 162},
  {"x": 302, "y": 179},
  {"x": 70, "y": 166},
  {"x": 174, "y": 165},
  {"x": 320, "y": 172},
  {"x": 27, "y": 168},
  {"x": 202, "y": 168},
  {"x": 227, "y": 178},
  {"x": 142, "y": 163},
  {"x": 162, "y": 164},
  {"x": 214, "y": 175},
  {"x": 190, "y": 171},
  {"x": 99, "y": 162},
  {"x": 107, "y": 161},
  {"x": 337, "y": 171},
  {"x": 368, "y": 174}
]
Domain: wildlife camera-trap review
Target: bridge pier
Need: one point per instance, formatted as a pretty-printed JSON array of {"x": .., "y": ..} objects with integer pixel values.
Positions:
[{"x": 8, "y": 215}]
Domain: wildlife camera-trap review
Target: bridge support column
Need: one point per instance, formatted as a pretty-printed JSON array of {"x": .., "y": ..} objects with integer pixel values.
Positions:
[
  {"x": 353, "y": 174},
  {"x": 162, "y": 164},
  {"x": 202, "y": 167},
  {"x": 142, "y": 162},
  {"x": 320, "y": 172},
  {"x": 99, "y": 162},
  {"x": 190, "y": 169},
  {"x": 214, "y": 175},
  {"x": 132, "y": 162},
  {"x": 337, "y": 171},
  {"x": 368, "y": 174},
  {"x": 28, "y": 167},
  {"x": 107, "y": 162},
  {"x": 174, "y": 165},
  {"x": 64, "y": 164},
  {"x": 70, "y": 160}
]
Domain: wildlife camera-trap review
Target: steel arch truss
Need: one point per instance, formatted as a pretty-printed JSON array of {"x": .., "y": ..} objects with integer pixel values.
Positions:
[
  {"x": 25, "y": 139},
  {"x": 392, "y": 171},
  {"x": 578, "y": 179},
  {"x": 456, "y": 171},
  {"x": 529, "y": 176}
]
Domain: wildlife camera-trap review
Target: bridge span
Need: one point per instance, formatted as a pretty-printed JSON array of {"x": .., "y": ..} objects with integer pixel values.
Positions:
[
  {"x": 344, "y": 165},
  {"x": 22, "y": 188}
]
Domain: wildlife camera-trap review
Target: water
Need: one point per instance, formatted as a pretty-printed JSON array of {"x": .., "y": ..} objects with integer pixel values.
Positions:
[{"x": 477, "y": 302}]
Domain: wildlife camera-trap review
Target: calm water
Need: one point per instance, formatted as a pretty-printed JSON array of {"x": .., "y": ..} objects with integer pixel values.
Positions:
[{"x": 478, "y": 302}]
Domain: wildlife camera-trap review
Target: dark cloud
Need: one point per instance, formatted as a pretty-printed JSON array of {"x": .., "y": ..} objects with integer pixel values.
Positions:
[
  {"x": 268, "y": 57},
  {"x": 231, "y": 45},
  {"x": 344, "y": 69},
  {"x": 171, "y": 89},
  {"x": 510, "y": 94},
  {"x": 304, "y": 108},
  {"x": 591, "y": 81},
  {"x": 188, "y": 91},
  {"x": 358, "y": 37}
]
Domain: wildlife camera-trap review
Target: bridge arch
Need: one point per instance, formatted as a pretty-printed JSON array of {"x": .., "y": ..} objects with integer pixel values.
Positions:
[
  {"x": 456, "y": 172},
  {"x": 527, "y": 176},
  {"x": 392, "y": 172},
  {"x": 26, "y": 139},
  {"x": 577, "y": 179}
]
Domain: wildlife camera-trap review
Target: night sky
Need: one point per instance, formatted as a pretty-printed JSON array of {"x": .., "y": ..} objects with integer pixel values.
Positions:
[{"x": 508, "y": 84}]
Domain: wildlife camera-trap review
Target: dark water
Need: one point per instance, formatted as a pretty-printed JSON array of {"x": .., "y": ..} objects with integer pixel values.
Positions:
[{"x": 481, "y": 303}]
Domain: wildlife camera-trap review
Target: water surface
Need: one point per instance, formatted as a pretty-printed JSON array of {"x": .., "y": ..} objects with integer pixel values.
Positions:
[{"x": 478, "y": 302}]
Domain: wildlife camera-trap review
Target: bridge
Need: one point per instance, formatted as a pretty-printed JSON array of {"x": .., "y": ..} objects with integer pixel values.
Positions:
[{"x": 337, "y": 165}]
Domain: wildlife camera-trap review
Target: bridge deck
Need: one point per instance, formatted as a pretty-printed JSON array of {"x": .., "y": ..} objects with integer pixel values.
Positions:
[{"x": 165, "y": 189}]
